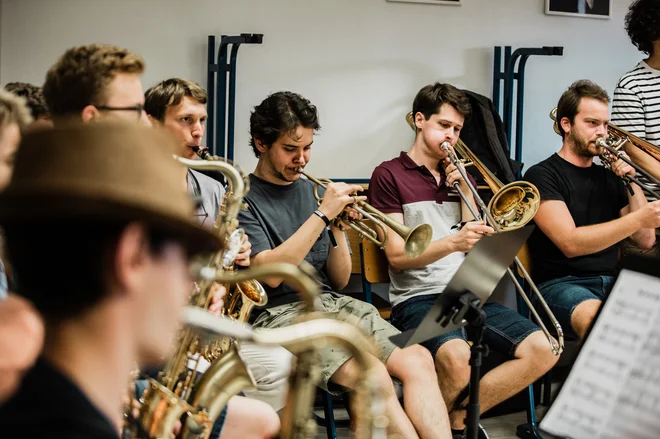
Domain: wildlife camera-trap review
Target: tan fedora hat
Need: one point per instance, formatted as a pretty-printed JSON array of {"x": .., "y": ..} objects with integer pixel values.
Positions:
[{"x": 100, "y": 173}]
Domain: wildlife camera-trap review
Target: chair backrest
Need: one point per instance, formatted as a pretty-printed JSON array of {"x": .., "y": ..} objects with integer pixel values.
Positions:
[
  {"x": 375, "y": 263},
  {"x": 354, "y": 241}
]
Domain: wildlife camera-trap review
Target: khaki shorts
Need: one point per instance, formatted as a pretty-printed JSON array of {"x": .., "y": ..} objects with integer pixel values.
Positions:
[{"x": 347, "y": 309}]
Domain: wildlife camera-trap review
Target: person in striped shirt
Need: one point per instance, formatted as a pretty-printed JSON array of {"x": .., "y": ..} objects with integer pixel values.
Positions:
[{"x": 636, "y": 103}]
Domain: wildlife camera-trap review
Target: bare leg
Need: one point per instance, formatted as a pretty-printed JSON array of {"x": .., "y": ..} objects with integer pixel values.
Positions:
[
  {"x": 249, "y": 419},
  {"x": 533, "y": 358},
  {"x": 399, "y": 424},
  {"x": 422, "y": 398},
  {"x": 583, "y": 315}
]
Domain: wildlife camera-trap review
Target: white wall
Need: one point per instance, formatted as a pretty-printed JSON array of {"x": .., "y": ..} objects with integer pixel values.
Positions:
[{"x": 360, "y": 61}]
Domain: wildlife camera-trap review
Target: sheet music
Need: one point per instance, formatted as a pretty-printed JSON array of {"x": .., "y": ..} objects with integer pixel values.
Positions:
[{"x": 613, "y": 390}]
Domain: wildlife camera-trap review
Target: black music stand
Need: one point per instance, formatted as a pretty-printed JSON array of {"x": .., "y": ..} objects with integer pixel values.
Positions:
[{"x": 461, "y": 303}]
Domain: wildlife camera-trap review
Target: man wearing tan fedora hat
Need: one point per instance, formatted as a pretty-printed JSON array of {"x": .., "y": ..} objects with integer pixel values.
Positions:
[{"x": 99, "y": 204}]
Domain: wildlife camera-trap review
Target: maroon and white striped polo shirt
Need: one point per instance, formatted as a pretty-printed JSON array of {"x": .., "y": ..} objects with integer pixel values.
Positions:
[{"x": 400, "y": 185}]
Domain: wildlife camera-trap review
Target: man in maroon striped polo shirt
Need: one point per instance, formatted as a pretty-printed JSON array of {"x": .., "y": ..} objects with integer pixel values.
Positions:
[{"x": 416, "y": 188}]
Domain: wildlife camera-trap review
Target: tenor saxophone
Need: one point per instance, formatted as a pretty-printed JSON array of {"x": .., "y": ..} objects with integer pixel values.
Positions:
[
  {"x": 180, "y": 389},
  {"x": 305, "y": 338}
]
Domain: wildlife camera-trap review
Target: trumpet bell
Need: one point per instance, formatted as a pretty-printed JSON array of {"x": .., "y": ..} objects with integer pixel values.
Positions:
[
  {"x": 515, "y": 205},
  {"x": 417, "y": 240}
]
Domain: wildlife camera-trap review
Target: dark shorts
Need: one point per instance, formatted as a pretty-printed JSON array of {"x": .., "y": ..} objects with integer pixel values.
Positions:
[
  {"x": 141, "y": 386},
  {"x": 564, "y": 294},
  {"x": 505, "y": 328}
]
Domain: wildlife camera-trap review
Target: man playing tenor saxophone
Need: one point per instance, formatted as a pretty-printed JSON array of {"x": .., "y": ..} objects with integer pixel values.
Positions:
[{"x": 179, "y": 106}]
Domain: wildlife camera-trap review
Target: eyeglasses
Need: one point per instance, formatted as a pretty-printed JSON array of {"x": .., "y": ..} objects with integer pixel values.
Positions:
[{"x": 137, "y": 108}]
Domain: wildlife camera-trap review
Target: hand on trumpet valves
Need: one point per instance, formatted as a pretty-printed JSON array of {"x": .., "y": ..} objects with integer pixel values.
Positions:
[
  {"x": 337, "y": 196},
  {"x": 469, "y": 235}
]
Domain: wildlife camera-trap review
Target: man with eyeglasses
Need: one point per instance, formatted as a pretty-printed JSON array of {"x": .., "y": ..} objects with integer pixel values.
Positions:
[
  {"x": 99, "y": 82},
  {"x": 96, "y": 82}
]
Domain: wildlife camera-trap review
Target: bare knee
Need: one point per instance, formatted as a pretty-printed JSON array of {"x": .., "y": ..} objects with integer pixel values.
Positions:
[
  {"x": 250, "y": 418},
  {"x": 537, "y": 350},
  {"x": 412, "y": 362},
  {"x": 584, "y": 315},
  {"x": 453, "y": 362}
]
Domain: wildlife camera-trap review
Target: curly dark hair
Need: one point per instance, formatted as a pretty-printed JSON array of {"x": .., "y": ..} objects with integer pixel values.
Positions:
[
  {"x": 643, "y": 24},
  {"x": 278, "y": 114},
  {"x": 33, "y": 96}
]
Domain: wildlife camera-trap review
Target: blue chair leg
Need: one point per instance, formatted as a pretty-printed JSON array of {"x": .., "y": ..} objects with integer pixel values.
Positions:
[{"x": 330, "y": 427}]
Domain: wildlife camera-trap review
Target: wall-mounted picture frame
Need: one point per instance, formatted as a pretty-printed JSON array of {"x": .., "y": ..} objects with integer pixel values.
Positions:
[
  {"x": 430, "y": 2},
  {"x": 580, "y": 8}
]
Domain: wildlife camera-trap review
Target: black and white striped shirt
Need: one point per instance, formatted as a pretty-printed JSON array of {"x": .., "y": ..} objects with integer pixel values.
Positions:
[{"x": 636, "y": 104}]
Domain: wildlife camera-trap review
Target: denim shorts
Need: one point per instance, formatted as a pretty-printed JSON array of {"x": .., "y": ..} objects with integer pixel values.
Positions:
[
  {"x": 564, "y": 294},
  {"x": 504, "y": 330},
  {"x": 141, "y": 386}
]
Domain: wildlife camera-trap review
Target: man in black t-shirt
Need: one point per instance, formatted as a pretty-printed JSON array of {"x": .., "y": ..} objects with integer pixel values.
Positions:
[
  {"x": 285, "y": 224},
  {"x": 585, "y": 211}
]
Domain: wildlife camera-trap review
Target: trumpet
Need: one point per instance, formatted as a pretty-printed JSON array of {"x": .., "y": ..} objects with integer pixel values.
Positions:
[
  {"x": 512, "y": 206},
  {"x": 416, "y": 239},
  {"x": 612, "y": 146}
]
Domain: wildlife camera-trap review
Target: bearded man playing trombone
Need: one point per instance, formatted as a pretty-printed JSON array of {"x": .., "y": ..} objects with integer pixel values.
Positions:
[
  {"x": 585, "y": 212},
  {"x": 415, "y": 188},
  {"x": 285, "y": 224}
]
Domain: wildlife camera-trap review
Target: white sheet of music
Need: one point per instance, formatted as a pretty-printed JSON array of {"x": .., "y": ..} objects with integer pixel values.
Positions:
[{"x": 613, "y": 390}]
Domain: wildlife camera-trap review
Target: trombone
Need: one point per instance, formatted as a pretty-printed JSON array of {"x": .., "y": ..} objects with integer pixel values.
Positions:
[
  {"x": 512, "y": 206},
  {"x": 616, "y": 139},
  {"x": 416, "y": 239}
]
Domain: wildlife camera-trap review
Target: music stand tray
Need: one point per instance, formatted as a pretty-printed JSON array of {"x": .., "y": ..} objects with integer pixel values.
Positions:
[{"x": 480, "y": 272}]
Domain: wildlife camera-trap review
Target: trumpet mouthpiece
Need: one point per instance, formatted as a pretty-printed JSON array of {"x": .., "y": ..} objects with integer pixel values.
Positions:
[{"x": 445, "y": 145}]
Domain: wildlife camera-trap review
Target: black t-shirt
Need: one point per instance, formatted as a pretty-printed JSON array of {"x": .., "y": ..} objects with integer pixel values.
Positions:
[
  {"x": 274, "y": 214},
  {"x": 49, "y": 405},
  {"x": 593, "y": 195}
]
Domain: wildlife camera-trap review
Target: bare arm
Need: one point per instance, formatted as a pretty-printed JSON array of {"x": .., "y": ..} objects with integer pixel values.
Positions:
[
  {"x": 462, "y": 241},
  {"x": 339, "y": 261},
  {"x": 554, "y": 219},
  {"x": 644, "y": 238},
  {"x": 294, "y": 249}
]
